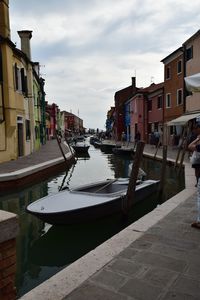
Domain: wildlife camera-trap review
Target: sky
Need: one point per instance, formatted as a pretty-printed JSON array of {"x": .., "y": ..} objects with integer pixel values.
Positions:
[{"x": 89, "y": 49}]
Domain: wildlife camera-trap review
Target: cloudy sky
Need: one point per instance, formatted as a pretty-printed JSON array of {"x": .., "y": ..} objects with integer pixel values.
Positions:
[{"x": 89, "y": 49}]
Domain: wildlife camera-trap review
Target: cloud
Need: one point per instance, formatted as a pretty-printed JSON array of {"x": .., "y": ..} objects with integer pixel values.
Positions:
[{"x": 92, "y": 48}]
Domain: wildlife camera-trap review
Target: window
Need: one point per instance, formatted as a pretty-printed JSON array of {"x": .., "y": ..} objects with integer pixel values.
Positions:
[
  {"x": 159, "y": 102},
  {"x": 189, "y": 53},
  {"x": 149, "y": 103},
  {"x": 28, "y": 130},
  {"x": 135, "y": 106},
  {"x": 168, "y": 73},
  {"x": 24, "y": 82},
  {"x": 172, "y": 130},
  {"x": 156, "y": 126},
  {"x": 149, "y": 128},
  {"x": 168, "y": 100},
  {"x": 179, "y": 66},
  {"x": 1, "y": 89},
  {"x": 179, "y": 99},
  {"x": 18, "y": 78}
]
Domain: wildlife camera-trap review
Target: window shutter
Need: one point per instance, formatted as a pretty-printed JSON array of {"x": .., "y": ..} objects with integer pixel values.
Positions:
[
  {"x": 1, "y": 67},
  {"x": 26, "y": 86},
  {"x": 16, "y": 76},
  {"x": 23, "y": 80}
]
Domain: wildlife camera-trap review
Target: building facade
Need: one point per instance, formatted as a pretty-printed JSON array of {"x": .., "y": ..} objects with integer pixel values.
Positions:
[
  {"x": 18, "y": 84},
  {"x": 192, "y": 66},
  {"x": 121, "y": 97}
]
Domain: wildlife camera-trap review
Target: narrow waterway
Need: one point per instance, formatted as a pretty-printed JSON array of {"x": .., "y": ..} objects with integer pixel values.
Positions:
[{"x": 42, "y": 249}]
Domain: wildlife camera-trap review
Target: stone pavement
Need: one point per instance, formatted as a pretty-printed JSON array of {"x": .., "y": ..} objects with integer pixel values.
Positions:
[
  {"x": 162, "y": 264},
  {"x": 46, "y": 153}
]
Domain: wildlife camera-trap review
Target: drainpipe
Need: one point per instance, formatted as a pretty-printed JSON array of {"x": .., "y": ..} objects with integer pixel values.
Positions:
[
  {"x": 144, "y": 116},
  {"x": 147, "y": 120},
  {"x": 184, "y": 75}
]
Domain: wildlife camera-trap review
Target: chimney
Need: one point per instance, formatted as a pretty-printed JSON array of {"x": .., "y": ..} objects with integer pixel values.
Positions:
[
  {"x": 25, "y": 36},
  {"x": 4, "y": 19},
  {"x": 133, "y": 82}
]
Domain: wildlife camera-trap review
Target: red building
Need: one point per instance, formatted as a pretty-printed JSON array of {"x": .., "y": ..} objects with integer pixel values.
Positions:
[
  {"x": 120, "y": 98},
  {"x": 74, "y": 123},
  {"x": 51, "y": 111}
]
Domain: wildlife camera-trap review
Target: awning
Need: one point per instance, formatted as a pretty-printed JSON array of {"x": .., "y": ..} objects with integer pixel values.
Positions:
[
  {"x": 193, "y": 83},
  {"x": 183, "y": 119}
]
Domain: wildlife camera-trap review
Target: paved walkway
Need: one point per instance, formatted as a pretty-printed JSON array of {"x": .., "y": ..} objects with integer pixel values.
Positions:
[
  {"x": 47, "y": 152},
  {"x": 162, "y": 264}
]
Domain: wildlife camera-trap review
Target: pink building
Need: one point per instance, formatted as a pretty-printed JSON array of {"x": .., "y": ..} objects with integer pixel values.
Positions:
[{"x": 146, "y": 111}]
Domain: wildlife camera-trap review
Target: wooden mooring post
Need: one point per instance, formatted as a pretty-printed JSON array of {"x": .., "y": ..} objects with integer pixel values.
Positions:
[
  {"x": 61, "y": 150},
  {"x": 134, "y": 175},
  {"x": 157, "y": 147},
  {"x": 163, "y": 169}
]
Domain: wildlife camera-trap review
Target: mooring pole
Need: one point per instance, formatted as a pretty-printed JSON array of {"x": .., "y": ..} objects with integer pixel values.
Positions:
[
  {"x": 163, "y": 170},
  {"x": 134, "y": 174},
  {"x": 59, "y": 144},
  {"x": 157, "y": 147}
]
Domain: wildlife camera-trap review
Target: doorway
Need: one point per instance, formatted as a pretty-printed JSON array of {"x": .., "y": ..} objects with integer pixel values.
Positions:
[{"x": 20, "y": 136}]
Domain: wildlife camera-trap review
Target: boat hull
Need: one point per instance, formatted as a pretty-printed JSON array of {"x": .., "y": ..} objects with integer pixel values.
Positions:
[
  {"x": 81, "y": 149},
  {"x": 117, "y": 204}
]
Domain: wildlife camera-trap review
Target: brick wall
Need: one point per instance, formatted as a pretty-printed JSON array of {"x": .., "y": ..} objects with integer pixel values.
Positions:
[
  {"x": 7, "y": 270},
  {"x": 8, "y": 230}
]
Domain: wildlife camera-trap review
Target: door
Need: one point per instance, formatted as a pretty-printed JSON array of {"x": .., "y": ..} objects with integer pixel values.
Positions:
[{"x": 20, "y": 139}]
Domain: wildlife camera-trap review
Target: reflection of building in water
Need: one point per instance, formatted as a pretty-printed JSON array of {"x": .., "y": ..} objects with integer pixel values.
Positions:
[
  {"x": 119, "y": 165},
  {"x": 30, "y": 227}
]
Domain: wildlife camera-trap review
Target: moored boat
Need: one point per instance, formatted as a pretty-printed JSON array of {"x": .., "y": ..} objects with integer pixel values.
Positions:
[
  {"x": 81, "y": 147},
  {"x": 123, "y": 150},
  {"x": 91, "y": 201}
]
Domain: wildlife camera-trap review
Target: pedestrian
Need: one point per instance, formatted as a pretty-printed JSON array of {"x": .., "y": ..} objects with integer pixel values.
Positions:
[
  {"x": 157, "y": 138},
  {"x": 195, "y": 147},
  {"x": 123, "y": 138},
  {"x": 137, "y": 137}
]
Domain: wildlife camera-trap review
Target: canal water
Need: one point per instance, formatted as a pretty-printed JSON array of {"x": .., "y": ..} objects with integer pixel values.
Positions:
[{"x": 43, "y": 249}]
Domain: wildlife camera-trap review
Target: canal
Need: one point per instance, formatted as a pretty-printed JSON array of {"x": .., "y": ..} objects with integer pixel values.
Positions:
[{"x": 42, "y": 249}]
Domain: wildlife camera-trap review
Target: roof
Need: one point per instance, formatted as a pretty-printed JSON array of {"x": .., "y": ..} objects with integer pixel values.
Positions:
[
  {"x": 194, "y": 36},
  {"x": 172, "y": 54}
]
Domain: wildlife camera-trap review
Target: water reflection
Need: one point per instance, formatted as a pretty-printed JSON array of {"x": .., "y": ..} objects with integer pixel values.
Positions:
[{"x": 42, "y": 249}]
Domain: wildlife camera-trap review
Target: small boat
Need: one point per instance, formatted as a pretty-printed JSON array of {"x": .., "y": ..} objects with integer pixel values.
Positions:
[
  {"x": 107, "y": 146},
  {"x": 79, "y": 138},
  {"x": 94, "y": 139},
  {"x": 97, "y": 144},
  {"x": 80, "y": 148},
  {"x": 91, "y": 201},
  {"x": 123, "y": 150}
]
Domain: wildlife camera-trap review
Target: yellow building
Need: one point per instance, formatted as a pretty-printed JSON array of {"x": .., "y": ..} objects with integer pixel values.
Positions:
[{"x": 16, "y": 92}]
